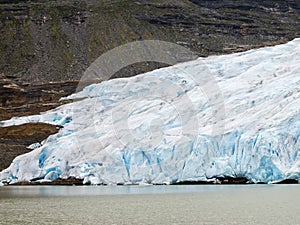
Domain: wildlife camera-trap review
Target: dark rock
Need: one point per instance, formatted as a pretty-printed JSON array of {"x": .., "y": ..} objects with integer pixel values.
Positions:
[
  {"x": 15, "y": 139},
  {"x": 288, "y": 181},
  {"x": 233, "y": 180},
  {"x": 220, "y": 180},
  {"x": 21, "y": 99},
  {"x": 56, "y": 41},
  {"x": 193, "y": 183},
  {"x": 68, "y": 181}
]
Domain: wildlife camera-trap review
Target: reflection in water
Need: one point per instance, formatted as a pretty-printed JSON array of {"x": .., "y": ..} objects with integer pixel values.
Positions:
[
  {"x": 47, "y": 191},
  {"x": 248, "y": 204}
]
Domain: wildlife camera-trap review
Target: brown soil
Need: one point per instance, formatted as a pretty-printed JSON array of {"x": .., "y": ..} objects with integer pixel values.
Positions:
[
  {"x": 15, "y": 139},
  {"x": 19, "y": 99}
]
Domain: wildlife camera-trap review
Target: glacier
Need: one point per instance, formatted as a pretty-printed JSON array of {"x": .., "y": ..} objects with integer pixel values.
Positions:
[{"x": 163, "y": 127}]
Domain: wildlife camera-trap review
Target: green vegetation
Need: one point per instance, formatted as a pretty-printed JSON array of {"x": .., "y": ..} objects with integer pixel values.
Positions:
[
  {"x": 44, "y": 41},
  {"x": 15, "y": 44}
]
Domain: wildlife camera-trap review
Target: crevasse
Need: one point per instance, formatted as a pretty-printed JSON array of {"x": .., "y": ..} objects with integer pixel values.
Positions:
[{"x": 160, "y": 127}]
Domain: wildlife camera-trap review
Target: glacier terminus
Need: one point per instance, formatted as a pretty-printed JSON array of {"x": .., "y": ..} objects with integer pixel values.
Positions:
[{"x": 162, "y": 127}]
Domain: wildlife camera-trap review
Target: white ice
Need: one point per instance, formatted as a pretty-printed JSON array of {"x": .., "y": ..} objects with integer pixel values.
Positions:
[{"x": 235, "y": 115}]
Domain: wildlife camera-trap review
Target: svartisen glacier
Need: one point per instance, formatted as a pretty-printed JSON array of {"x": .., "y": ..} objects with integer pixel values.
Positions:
[{"x": 163, "y": 127}]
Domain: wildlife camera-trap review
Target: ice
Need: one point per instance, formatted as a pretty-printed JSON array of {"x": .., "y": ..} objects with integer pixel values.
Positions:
[
  {"x": 34, "y": 146},
  {"x": 168, "y": 125}
]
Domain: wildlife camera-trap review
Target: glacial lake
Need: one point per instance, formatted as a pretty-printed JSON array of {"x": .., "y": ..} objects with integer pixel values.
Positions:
[{"x": 193, "y": 204}]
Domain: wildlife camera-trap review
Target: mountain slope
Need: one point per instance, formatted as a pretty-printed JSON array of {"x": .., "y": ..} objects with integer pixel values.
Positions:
[{"x": 45, "y": 41}]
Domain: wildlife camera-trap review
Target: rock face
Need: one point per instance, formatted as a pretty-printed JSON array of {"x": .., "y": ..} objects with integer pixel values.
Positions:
[
  {"x": 56, "y": 41},
  {"x": 15, "y": 139},
  {"x": 19, "y": 99}
]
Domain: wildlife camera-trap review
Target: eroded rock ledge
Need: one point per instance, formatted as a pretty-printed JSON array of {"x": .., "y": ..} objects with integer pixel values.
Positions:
[
  {"x": 15, "y": 139},
  {"x": 217, "y": 181}
]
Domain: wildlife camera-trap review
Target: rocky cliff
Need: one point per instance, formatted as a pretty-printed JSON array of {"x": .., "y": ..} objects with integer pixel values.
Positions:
[{"x": 43, "y": 41}]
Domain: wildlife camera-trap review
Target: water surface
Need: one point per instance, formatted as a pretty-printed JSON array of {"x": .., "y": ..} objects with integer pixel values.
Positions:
[{"x": 207, "y": 204}]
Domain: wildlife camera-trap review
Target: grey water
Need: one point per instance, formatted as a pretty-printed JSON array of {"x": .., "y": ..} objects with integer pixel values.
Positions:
[{"x": 194, "y": 204}]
